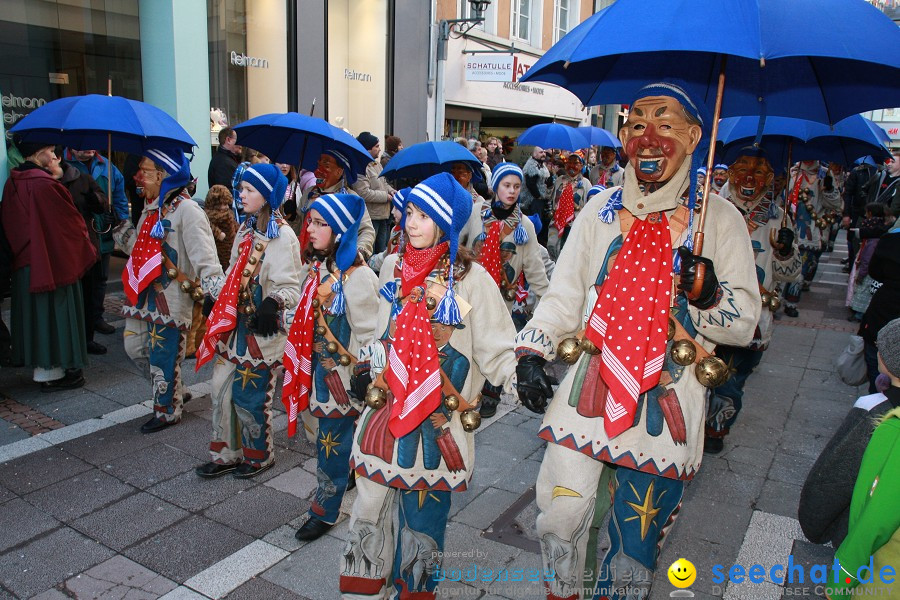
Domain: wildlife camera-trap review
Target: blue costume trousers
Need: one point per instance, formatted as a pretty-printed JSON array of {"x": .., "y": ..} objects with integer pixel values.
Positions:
[
  {"x": 242, "y": 413},
  {"x": 726, "y": 400},
  {"x": 333, "y": 446},
  {"x": 158, "y": 351}
]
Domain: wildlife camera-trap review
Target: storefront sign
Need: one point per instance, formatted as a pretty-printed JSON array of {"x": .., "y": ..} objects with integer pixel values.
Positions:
[
  {"x": 242, "y": 60},
  {"x": 490, "y": 67},
  {"x": 521, "y": 87},
  {"x": 357, "y": 75},
  {"x": 11, "y": 102}
]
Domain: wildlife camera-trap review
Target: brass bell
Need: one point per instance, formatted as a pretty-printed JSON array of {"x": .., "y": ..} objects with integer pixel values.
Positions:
[
  {"x": 683, "y": 352},
  {"x": 258, "y": 246},
  {"x": 766, "y": 298},
  {"x": 712, "y": 371},
  {"x": 569, "y": 350},
  {"x": 588, "y": 346},
  {"x": 246, "y": 272},
  {"x": 774, "y": 303},
  {"x": 376, "y": 397},
  {"x": 315, "y": 303},
  {"x": 332, "y": 347},
  {"x": 249, "y": 309},
  {"x": 317, "y": 313},
  {"x": 451, "y": 403},
  {"x": 172, "y": 273},
  {"x": 197, "y": 295},
  {"x": 510, "y": 295},
  {"x": 245, "y": 295},
  {"x": 320, "y": 330},
  {"x": 252, "y": 260},
  {"x": 430, "y": 303},
  {"x": 470, "y": 419},
  {"x": 344, "y": 360},
  {"x": 671, "y": 332},
  {"x": 186, "y": 286}
]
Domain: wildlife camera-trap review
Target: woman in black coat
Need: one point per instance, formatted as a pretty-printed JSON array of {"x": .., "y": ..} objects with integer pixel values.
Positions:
[{"x": 885, "y": 305}]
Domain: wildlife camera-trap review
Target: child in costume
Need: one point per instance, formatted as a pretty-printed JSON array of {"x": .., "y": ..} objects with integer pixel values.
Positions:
[
  {"x": 396, "y": 235},
  {"x": 246, "y": 333},
  {"x": 444, "y": 331},
  {"x": 335, "y": 318},
  {"x": 173, "y": 262}
]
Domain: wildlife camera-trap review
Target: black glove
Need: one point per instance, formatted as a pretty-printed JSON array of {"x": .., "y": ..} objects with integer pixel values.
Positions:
[
  {"x": 533, "y": 383},
  {"x": 289, "y": 208},
  {"x": 710, "y": 288},
  {"x": 208, "y": 304},
  {"x": 267, "y": 317},
  {"x": 786, "y": 239},
  {"x": 360, "y": 383},
  {"x": 828, "y": 183}
]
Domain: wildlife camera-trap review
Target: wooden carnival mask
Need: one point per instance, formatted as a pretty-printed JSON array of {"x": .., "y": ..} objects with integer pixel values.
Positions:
[
  {"x": 657, "y": 137},
  {"x": 749, "y": 178}
]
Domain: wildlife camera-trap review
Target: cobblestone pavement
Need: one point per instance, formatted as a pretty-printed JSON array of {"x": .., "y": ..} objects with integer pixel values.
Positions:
[{"x": 93, "y": 509}]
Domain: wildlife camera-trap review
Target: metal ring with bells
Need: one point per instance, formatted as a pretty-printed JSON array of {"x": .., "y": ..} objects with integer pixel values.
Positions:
[
  {"x": 332, "y": 347},
  {"x": 344, "y": 360},
  {"x": 683, "y": 352},
  {"x": 569, "y": 350},
  {"x": 712, "y": 372},
  {"x": 172, "y": 273},
  {"x": 766, "y": 298},
  {"x": 451, "y": 403},
  {"x": 376, "y": 397},
  {"x": 320, "y": 330},
  {"x": 430, "y": 303},
  {"x": 470, "y": 419},
  {"x": 774, "y": 303}
]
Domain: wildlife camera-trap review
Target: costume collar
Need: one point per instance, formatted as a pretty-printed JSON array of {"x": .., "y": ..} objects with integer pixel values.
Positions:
[{"x": 664, "y": 199}]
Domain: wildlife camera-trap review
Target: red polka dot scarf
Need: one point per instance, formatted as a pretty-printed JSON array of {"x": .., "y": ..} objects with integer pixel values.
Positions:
[
  {"x": 565, "y": 210},
  {"x": 413, "y": 371},
  {"x": 490, "y": 251},
  {"x": 298, "y": 353},
  {"x": 145, "y": 263},
  {"x": 629, "y": 322}
]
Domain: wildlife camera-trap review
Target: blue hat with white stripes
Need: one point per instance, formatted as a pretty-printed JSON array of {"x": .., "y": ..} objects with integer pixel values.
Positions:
[
  {"x": 342, "y": 212},
  {"x": 268, "y": 181},
  {"x": 502, "y": 170}
]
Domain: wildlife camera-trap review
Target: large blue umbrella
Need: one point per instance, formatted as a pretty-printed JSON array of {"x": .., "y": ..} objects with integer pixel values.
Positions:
[
  {"x": 298, "y": 139},
  {"x": 425, "y": 159},
  {"x": 554, "y": 135},
  {"x": 92, "y": 122},
  {"x": 597, "y": 136}
]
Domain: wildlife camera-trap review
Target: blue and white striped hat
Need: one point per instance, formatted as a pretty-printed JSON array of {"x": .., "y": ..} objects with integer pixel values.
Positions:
[
  {"x": 399, "y": 199},
  {"x": 178, "y": 167},
  {"x": 343, "y": 213},
  {"x": 502, "y": 170},
  {"x": 271, "y": 183}
]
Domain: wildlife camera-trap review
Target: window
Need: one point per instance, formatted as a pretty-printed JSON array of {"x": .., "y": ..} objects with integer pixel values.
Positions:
[
  {"x": 521, "y": 19},
  {"x": 466, "y": 12},
  {"x": 560, "y": 19}
]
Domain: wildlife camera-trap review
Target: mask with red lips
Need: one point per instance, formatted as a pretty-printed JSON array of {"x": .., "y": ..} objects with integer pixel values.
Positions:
[
  {"x": 749, "y": 178},
  {"x": 327, "y": 172},
  {"x": 658, "y": 137}
]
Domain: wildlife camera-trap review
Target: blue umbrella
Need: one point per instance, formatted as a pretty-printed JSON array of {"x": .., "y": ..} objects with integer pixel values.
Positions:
[
  {"x": 298, "y": 139},
  {"x": 554, "y": 135},
  {"x": 425, "y": 159},
  {"x": 597, "y": 136},
  {"x": 91, "y": 122},
  {"x": 821, "y": 60}
]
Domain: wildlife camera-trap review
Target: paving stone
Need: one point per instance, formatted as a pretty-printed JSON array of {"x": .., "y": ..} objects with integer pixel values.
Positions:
[
  {"x": 195, "y": 494},
  {"x": 483, "y": 510},
  {"x": 258, "y": 588},
  {"x": 188, "y": 547},
  {"x": 43, "y": 468},
  {"x": 117, "y": 578},
  {"x": 79, "y": 495},
  {"x": 258, "y": 511},
  {"x": 521, "y": 441},
  {"x": 702, "y": 553},
  {"x": 715, "y": 481},
  {"x": 110, "y": 444},
  {"x": 5, "y": 494},
  {"x": 780, "y": 498},
  {"x": 230, "y": 572},
  {"x": 73, "y": 410},
  {"x": 804, "y": 444},
  {"x": 51, "y": 594},
  {"x": 151, "y": 465},
  {"x": 465, "y": 547},
  {"x": 297, "y": 482},
  {"x": 10, "y": 433},
  {"x": 746, "y": 459},
  {"x": 519, "y": 477},
  {"x": 121, "y": 386},
  {"x": 714, "y": 521},
  {"x": 312, "y": 571},
  {"x": 125, "y": 522},
  {"x": 183, "y": 593},
  {"x": 283, "y": 536},
  {"x": 192, "y": 436},
  {"x": 20, "y": 521},
  {"x": 48, "y": 561},
  {"x": 790, "y": 468}
]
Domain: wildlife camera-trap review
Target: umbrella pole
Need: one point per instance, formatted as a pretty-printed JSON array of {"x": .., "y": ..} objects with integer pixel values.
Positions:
[
  {"x": 109, "y": 156},
  {"x": 788, "y": 174},
  {"x": 710, "y": 161}
]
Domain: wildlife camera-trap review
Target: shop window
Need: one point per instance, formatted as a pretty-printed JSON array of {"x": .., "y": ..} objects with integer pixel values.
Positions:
[
  {"x": 454, "y": 128},
  {"x": 561, "y": 16}
]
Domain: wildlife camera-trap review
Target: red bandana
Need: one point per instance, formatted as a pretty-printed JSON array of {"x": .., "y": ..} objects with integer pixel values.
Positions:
[
  {"x": 223, "y": 317},
  {"x": 145, "y": 263},
  {"x": 630, "y": 319},
  {"x": 304, "y": 231},
  {"x": 298, "y": 353},
  {"x": 565, "y": 211},
  {"x": 413, "y": 372},
  {"x": 490, "y": 251}
]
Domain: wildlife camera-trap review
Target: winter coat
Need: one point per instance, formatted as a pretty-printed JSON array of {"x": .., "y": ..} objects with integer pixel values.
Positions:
[
  {"x": 375, "y": 191},
  {"x": 89, "y": 199},
  {"x": 222, "y": 167}
]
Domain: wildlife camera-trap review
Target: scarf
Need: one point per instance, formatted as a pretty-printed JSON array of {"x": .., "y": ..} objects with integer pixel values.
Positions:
[
  {"x": 298, "y": 352},
  {"x": 145, "y": 263},
  {"x": 629, "y": 321},
  {"x": 223, "y": 317},
  {"x": 413, "y": 372},
  {"x": 565, "y": 210},
  {"x": 490, "y": 252}
]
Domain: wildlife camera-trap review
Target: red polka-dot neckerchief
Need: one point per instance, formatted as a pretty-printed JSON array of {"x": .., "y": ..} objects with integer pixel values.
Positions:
[
  {"x": 223, "y": 317},
  {"x": 490, "y": 252},
  {"x": 629, "y": 321},
  {"x": 145, "y": 263},
  {"x": 298, "y": 350},
  {"x": 413, "y": 371},
  {"x": 565, "y": 210}
]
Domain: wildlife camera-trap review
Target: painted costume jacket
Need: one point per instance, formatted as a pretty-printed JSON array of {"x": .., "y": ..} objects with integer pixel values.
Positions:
[
  {"x": 809, "y": 233},
  {"x": 667, "y": 435},
  {"x": 439, "y": 454},
  {"x": 277, "y": 275},
  {"x": 614, "y": 175},
  {"x": 763, "y": 222},
  {"x": 190, "y": 246},
  {"x": 580, "y": 189}
]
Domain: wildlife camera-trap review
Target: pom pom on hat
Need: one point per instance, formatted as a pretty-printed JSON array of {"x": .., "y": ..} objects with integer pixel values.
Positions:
[{"x": 502, "y": 170}]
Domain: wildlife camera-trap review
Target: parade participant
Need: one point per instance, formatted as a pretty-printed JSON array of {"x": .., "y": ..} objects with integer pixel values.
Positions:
[
  {"x": 628, "y": 422},
  {"x": 777, "y": 260},
  {"x": 246, "y": 334},
  {"x": 701, "y": 177},
  {"x": 566, "y": 200},
  {"x": 336, "y": 317},
  {"x": 719, "y": 178},
  {"x": 832, "y": 203},
  {"x": 608, "y": 172},
  {"x": 417, "y": 446},
  {"x": 50, "y": 251},
  {"x": 333, "y": 176},
  {"x": 396, "y": 237},
  {"x": 503, "y": 225},
  {"x": 805, "y": 205},
  {"x": 173, "y": 262}
]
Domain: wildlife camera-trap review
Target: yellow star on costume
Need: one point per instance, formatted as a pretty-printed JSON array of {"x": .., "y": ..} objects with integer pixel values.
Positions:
[
  {"x": 329, "y": 444},
  {"x": 646, "y": 512},
  {"x": 423, "y": 495},
  {"x": 246, "y": 376},
  {"x": 155, "y": 338}
]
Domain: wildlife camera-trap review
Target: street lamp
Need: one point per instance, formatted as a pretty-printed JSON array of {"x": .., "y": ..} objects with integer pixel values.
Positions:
[{"x": 448, "y": 28}]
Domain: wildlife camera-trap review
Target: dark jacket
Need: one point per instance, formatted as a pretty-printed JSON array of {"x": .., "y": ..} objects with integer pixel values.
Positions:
[
  {"x": 885, "y": 305},
  {"x": 884, "y": 190},
  {"x": 89, "y": 199},
  {"x": 855, "y": 193},
  {"x": 222, "y": 166}
]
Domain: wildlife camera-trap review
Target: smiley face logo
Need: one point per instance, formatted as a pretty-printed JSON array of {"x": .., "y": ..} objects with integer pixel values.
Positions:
[{"x": 682, "y": 573}]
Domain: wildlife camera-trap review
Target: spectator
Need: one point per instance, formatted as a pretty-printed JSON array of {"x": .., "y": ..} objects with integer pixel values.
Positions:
[
  {"x": 254, "y": 157},
  {"x": 482, "y": 186},
  {"x": 135, "y": 199},
  {"x": 222, "y": 221},
  {"x": 884, "y": 186},
  {"x": 225, "y": 160},
  {"x": 494, "y": 152},
  {"x": 870, "y": 230},
  {"x": 51, "y": 251},
  {"x": 533, "y": 198},
  {"x": 291, "y": 194},
  {"x": 884, "y": 268},
  {"x": 608, "y": 172},
  {"x": 375, "y": 191},
  {"x": 854, "y": 206},
  {"x": 392, "y": 145}
]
